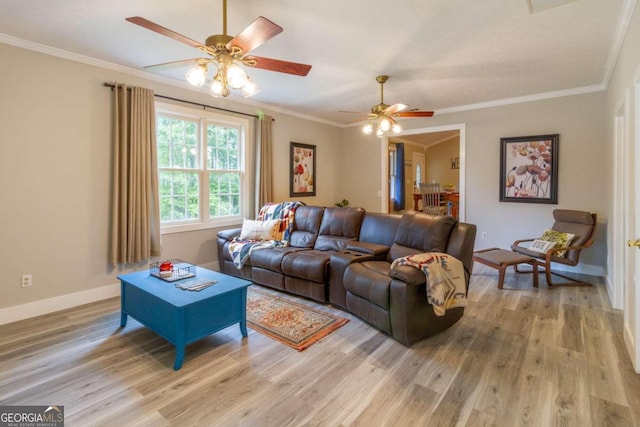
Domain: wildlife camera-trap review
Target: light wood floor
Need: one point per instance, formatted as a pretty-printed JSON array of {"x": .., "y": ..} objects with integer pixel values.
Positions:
[{"x": 519, "y": 356}]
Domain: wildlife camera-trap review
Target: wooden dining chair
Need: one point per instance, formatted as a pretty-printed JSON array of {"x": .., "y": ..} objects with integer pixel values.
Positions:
[{"x": 431, "y": 202}]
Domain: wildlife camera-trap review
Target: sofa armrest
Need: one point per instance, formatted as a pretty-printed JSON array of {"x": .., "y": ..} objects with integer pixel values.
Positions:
[
  {"x": 229, "y": 234},
  {"x": 337, "y": 265},
  {"x": 410, "y": 275},
  {"x": 368, "y": 248}
]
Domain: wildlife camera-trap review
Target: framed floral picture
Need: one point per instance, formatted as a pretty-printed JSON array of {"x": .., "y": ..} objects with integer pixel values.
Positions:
[
  {"x": 302, "y": 170},
  {"x": 529, "y": 169}
]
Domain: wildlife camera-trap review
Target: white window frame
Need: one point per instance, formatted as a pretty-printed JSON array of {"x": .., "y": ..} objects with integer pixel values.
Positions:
[{"x": 205, "y": 117}]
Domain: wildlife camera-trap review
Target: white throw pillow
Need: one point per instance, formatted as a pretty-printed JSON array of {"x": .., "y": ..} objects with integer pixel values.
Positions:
[
  {"x": 260, "y": 230},
  {"x": 541, "y": 246}
]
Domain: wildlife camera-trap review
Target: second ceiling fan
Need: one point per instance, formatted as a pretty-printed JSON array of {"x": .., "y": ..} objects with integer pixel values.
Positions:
[
  {"x": 226, "y": 53},
  {"x": 382, "y": 116}
]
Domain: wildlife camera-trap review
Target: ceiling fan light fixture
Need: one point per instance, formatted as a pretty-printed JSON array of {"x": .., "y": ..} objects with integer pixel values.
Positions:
[
  {"x": 236, "y": 76},
  {"x": 396, "y": 128},
  {"x": 218, "y": 87},
  {"x": 196, "y": 76},
  {"x": 384, "y": 124},
  {"x": 379, "y": 133},
  {"x": 368, "y": 128},
  {"x": 250, "y": 88}
]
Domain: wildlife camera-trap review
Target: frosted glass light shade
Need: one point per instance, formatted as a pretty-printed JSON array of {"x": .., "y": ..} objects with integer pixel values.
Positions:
[
  {"x": 197, "y": 75},
  {"x": 250, "y": 88},
  {"x": 236, "y": 76}
]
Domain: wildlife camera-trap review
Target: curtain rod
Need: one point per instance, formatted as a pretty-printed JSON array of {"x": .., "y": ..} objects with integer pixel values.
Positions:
[{"x": 112, "y": 86}]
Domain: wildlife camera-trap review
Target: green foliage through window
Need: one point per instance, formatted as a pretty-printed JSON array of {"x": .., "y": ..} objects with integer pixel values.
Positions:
[{"x": 184, "y": 167}]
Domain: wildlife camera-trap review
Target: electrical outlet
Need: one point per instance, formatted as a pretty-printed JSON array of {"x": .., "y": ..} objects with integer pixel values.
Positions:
[
  {"x": 483, "y": 235},
  {"x": 26, "y": 280}
]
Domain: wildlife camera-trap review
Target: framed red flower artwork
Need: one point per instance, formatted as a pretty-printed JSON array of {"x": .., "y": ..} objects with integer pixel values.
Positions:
[{"x": 302, "y": 170}]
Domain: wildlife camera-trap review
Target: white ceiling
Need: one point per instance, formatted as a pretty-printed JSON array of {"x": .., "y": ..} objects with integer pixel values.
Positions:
[{"x": 440, "y": 55}]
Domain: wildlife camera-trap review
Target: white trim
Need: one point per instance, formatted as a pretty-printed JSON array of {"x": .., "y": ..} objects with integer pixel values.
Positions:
[
  {"x": 616, "y": 261},
  {"x": 461, "y": 127},
  {"x": 49, "y": 50},
  {"x": 635, "y": 190},
  {"x": 523, "y": 99},
  {"x": 62, "y": 302},
  {"x": 53, "y": 51},
  {"x": 589, "y": 269},
  {"x": 384, "y": 175}
]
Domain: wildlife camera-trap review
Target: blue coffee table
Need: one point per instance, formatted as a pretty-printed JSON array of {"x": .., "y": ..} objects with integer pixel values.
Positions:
[{"x": 181, "y": 316}]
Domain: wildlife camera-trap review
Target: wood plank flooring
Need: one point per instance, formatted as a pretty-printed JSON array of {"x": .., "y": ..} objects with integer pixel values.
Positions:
[{"x": 519, "y": 357}]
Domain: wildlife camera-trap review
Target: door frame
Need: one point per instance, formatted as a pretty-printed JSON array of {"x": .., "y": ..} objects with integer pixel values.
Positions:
[
  {"x": 636, "y": 210},
  {"x": 619, "y": 254},
  {"x": 384, "y": 146}
]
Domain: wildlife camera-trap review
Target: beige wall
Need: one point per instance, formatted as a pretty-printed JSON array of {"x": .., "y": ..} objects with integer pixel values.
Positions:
[
  {"x": 55, "y": 119},
  {"x": 439, "y": 163},
  {"x": 583, "y": 174}
]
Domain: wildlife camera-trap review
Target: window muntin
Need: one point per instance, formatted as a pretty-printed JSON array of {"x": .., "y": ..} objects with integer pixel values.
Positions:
[{"x": 201, "y": 175}]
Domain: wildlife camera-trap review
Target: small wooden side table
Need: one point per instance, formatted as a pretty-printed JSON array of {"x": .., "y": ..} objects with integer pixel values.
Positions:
[{"x": 500, "y": 259}]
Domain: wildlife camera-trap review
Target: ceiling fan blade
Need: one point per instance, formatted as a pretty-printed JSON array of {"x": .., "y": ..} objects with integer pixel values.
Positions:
[
  {"x": 258, "y": 32},
  {"x": 395, "y": 108},
  {"x": 176, "y": 64},
  {"x": 353, "y": 112},
  {"x": 356, "y": 121},
  {"x": 414, "y": 114},
  {"x": 278, "y": 65},
  {"x": 145, "y": 23}
]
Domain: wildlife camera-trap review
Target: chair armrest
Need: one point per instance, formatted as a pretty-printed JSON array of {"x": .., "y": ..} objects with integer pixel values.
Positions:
[
  {"x": 410, "y": 275},
  {"x": 229, "y": 234},
  {"x": 517, "y": 242},
  {"x": 552, "y": 251},
  {"x": 368, "y": 248}
]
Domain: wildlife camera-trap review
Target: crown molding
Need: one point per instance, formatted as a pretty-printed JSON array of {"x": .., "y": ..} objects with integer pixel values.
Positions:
[
  {"x": 87, "y": 60},
  {"x": 523, "y": 99},
  {"x": 60, "y": 53}
]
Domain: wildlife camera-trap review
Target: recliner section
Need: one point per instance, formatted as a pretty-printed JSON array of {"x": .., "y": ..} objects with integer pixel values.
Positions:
[{"x": 344, "y": 255}]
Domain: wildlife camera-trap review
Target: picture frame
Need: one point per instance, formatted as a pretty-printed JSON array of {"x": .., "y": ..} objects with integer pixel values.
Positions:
[
  {"x": 529, "y": 169},
  {"x": 302, "y": 170}
]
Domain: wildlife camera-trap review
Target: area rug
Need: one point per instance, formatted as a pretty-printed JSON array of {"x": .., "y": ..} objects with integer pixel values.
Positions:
[{"x": 289, "y": 322}]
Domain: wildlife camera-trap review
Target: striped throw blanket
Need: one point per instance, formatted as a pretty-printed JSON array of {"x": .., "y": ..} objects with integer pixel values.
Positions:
[
  {"x": 241, "y": 249},
  {"x": 446, "y": 286}
]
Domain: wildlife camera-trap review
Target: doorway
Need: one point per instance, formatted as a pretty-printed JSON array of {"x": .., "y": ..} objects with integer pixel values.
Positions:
[{"x": 409, "y": 137}]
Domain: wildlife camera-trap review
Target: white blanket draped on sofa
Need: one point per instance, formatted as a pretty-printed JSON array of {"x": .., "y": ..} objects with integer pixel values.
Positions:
[{"x": 445, "y": 279}]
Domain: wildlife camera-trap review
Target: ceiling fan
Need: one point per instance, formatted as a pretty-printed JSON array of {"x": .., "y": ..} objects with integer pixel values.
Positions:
[
  {"x": 226, "y": 53},
  {"x": 382, "y": 116}
]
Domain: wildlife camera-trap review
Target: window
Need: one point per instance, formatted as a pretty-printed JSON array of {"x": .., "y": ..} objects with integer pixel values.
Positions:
[{"x": 201, "y": 174}]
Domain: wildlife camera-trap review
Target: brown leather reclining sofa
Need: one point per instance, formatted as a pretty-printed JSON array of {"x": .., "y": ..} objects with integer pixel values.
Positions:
[{"x": 343, "y": 256}]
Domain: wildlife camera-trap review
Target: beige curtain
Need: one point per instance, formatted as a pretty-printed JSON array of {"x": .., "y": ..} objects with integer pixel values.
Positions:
[
  {"x": 135, "y": 215},
  {"x": 265, "y": 167}
]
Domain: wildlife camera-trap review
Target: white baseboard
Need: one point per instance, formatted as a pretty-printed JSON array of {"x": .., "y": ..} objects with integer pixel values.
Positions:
[
  {"x": 63, "y": 302},
  {"x": 591, "y": 270},
  {"x": 630, "y": 344}
]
